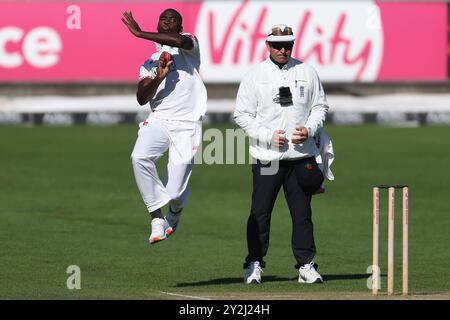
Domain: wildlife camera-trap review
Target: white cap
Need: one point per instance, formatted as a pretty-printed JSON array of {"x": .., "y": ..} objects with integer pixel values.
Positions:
[{"x": 280, "y": 33}]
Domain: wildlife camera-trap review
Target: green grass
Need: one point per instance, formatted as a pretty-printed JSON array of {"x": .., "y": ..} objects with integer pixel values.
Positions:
[{"x": 68, "y": 197}]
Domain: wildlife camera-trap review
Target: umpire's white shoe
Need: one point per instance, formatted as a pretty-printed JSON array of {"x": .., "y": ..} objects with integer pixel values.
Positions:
[
  {"x": 253, "y": 273},
  {"x": 172, "y": 220},
  {"x": 309, "y": 274},
  {"x": 159, "y": 227}
]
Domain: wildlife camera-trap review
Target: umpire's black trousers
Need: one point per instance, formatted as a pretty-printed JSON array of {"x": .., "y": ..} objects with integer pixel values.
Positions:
[{"x": 300, "y": 179}]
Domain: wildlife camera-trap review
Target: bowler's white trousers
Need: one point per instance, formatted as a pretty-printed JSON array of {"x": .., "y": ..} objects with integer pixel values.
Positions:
[{"x": 155, "y": 137}]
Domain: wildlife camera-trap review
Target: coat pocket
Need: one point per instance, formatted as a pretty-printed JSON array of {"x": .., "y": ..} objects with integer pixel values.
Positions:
[{"x": 309, "y": 176}]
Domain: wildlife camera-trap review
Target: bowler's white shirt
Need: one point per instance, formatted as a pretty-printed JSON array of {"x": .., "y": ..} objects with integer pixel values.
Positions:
[
  {"x": 182, "y": 94},
  {"x": 259, "y": 116}
]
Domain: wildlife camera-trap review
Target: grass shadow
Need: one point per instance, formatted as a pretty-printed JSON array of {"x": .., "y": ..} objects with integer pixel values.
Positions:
[
  {"x": 221, "y": 281},
  {"x": 333, "y": 277}
]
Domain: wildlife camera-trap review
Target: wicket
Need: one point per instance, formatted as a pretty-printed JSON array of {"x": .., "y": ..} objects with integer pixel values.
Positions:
[{"x": 376, "y": 238}]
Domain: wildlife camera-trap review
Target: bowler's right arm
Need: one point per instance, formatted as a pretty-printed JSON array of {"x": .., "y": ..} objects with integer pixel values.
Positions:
[{"x": 148, "y": 85}]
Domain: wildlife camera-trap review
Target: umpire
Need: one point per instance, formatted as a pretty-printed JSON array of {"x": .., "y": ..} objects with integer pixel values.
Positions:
[{"x": 280, "y": 105}]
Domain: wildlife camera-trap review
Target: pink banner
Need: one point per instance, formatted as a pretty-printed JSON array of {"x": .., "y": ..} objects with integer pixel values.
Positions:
[
  {"x": 415, "y": 41},
  {"x": 353, "y": 41},
  {"x": 41, "y": 41}
]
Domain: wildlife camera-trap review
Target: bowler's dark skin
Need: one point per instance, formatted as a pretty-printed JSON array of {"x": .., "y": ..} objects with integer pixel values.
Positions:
[{"x": 169, "y": 29}]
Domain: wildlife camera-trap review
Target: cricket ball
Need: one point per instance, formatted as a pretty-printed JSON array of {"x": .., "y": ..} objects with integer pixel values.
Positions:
[{"x": 165, "y": 58}]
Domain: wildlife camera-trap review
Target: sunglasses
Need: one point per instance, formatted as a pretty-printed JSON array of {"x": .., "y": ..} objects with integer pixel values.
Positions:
[{"x": 280, "y": 45}]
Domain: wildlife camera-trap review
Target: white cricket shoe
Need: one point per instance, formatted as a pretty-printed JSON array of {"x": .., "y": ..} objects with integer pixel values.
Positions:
[
  {"x": 308, "y": 274},
  {"x": 159, "y": 227},
  {"x": 253, "y": 273},
  {"x": 172, "y": 220}
]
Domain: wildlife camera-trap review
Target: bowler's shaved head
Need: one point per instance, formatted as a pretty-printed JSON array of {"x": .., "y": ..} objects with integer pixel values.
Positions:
[
  {"x": 175, "y": 13},
  {"x": 172, "y": 15}
]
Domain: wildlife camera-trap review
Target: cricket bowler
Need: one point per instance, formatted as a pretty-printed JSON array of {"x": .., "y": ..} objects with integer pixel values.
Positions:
[{"x": 169, "y": 81}]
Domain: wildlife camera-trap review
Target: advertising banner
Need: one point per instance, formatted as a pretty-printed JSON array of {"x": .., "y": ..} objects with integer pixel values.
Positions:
[{"x": 346, "y": 41}]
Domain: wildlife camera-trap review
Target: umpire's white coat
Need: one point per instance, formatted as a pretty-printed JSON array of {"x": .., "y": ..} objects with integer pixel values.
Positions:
[{"x": 259, "y": 114}]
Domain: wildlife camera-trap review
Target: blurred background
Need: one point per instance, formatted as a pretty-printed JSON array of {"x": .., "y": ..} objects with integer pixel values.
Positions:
[{"x": 70, "y": 62}]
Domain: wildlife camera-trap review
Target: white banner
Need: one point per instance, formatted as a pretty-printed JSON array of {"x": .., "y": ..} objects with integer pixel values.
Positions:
[{"x": 342, "y": 40}]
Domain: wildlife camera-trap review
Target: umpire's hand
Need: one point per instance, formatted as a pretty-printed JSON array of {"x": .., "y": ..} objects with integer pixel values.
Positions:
[
  {"x": 300, "y": 135},
  {"x": 279, "y": 138}
]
